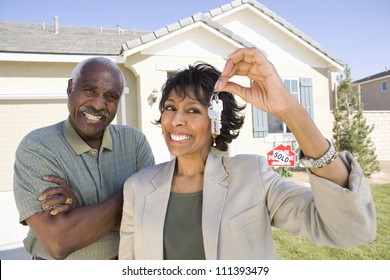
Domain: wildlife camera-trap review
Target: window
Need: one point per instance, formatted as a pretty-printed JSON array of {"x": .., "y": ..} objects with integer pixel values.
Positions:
[
  {"x": 384, "y": 86},
  {"x": 264, "y": 124},
  {"x": 274, "y": 124}
]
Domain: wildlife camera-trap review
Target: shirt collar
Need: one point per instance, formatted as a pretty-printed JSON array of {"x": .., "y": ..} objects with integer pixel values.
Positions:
[{"x": 78, "y": 144}]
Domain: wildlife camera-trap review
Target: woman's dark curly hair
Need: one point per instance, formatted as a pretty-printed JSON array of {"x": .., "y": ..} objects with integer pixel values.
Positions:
[{"x": 201, "y": 78}]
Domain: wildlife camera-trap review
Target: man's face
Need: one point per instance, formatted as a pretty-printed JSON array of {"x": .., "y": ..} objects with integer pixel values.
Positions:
[{"x": 93, "y": 101}]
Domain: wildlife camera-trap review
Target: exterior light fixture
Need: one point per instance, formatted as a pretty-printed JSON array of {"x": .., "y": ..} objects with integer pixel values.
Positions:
[{"x": 152, "y": 98}]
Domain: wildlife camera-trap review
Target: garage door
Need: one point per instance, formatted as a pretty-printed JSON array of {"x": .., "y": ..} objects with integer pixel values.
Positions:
[{"x": 17, "y": 118}]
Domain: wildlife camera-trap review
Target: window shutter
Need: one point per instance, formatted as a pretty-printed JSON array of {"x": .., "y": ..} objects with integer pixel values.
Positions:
[
  {"x": 260, "y": 123},
  {"x": 306, "y": 89}
]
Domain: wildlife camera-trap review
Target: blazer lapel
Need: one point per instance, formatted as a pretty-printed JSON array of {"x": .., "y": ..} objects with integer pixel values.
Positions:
[
  {"x": 214, "y": 194},
  {"x": 156, "y": 204}
]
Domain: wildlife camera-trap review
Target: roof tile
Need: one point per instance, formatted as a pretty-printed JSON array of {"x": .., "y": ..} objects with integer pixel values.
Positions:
[
  {"x": 186, "y": 21},
  {"x": 133, "y": 43},
  {"x": 215, "y": 12},
  {"x": 226, "y": 7},
  {"x": 236, "y": 3},
  {"x": 173, "y": 26},
  {"x": 161, "y": 32},
  {"x": 148, "y": 37},
  {"x": 197, "y": 17}
]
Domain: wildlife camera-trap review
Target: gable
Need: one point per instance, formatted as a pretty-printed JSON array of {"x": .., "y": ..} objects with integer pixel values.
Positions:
[
  {"x": 248, "y": 24},
  {"x": 170, "y": 32},
  {"x": 198, "y": 42},
  {"x": 279, "y": 39}
]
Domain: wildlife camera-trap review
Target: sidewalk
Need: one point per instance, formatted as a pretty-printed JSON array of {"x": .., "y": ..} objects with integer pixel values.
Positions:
[
  {"x": 14, "y": 254},
  {"x": 382, "y": 177}
]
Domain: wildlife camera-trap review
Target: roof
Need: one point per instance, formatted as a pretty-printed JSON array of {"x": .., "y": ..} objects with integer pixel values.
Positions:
[
  {"x": 207, "y": 18},
  {"x": 280, "y": 21},
  {"x": 73, "y": 40},
  {"x": 373, "y": 77},
  {"x": 168, "y": 29},
  {"x": 39, "y": 38}
]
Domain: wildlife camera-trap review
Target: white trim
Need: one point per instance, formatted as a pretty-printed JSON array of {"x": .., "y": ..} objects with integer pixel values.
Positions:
[
  {"x": 32, "y": 97},
  {"x": 279, "y": 137},
  {"x": 303, "y": 43},
  {"x": 11, "y": 246},
  {"x": 32, "y": 93},
  {"x": 123, "y": 107},
  {"x": 373, "y": 80},
  {"x": 24, "y": 57},
  {"x": 291, "y": 34},
  {"x": 177, "y": 32}
]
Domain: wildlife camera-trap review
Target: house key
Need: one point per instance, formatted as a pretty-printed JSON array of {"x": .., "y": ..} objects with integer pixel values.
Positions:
[{"x": 214, "y": 112}]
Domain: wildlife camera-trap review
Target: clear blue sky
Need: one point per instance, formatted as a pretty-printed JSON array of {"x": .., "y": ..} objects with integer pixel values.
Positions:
[{"x": 355, "y": 31}]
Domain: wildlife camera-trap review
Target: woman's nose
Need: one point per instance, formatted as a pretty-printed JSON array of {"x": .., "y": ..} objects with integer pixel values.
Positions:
[{"x": 178, "y": 119}]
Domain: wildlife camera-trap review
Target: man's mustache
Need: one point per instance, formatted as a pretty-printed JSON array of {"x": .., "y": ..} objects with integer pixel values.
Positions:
[{"x": 92, "y": 111}]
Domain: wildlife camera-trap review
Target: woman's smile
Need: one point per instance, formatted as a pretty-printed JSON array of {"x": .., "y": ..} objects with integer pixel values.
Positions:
[{"x": 179, "y": 137}]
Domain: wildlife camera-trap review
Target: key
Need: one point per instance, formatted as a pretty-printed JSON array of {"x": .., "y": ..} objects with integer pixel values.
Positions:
[
  {"x": 217, "y": 106},
  {"x": 214, "y": 112},
  {"x": 213, "y": 117}
]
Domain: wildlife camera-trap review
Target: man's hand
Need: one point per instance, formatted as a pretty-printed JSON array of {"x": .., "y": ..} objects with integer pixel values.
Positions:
[{"x": 59, "y": 199}]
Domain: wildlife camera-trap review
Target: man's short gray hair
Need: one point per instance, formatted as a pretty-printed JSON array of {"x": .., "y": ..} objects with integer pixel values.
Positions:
[{"x": 98, "y": 60}]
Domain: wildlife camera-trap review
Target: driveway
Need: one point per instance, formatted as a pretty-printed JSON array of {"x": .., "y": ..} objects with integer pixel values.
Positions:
[{"x": 381, "y": 177}]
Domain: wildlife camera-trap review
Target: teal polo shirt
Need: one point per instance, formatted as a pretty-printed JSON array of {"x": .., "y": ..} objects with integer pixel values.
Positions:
[{"x": 94, "y": 175}]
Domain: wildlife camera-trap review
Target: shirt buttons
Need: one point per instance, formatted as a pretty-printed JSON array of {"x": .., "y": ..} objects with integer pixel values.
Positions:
[{"x": 93, "y": 153}]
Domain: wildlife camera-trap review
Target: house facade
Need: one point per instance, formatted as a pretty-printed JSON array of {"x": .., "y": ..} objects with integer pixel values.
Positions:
[
  {"x": 375, "y": 91},
  {"x": 375, "y": 99},
  {"x": 36, "y": 63}
]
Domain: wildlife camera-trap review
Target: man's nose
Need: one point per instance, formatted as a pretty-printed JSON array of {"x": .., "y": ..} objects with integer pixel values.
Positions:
[{"x": 99, "y": 103}]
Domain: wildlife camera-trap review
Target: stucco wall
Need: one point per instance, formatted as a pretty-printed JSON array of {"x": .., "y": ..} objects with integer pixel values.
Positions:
[{"x": 381, "y": 133}]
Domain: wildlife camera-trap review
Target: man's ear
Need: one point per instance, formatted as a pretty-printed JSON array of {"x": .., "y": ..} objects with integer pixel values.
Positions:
[{"x": 70, "y": 85}]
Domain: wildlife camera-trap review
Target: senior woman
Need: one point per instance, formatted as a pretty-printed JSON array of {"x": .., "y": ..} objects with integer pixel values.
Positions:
[{"x": 204, "y": 205}]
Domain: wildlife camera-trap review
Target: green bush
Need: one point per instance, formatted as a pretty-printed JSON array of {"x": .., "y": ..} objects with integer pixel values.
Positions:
[{"x": 284, "y": 171}]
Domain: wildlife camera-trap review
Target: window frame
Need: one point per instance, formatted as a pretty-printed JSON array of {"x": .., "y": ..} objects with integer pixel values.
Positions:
[
  {"x": 384, "y": 87},
  {"x": 304, "y": 93},
  {"x": 296, "y": 94}
]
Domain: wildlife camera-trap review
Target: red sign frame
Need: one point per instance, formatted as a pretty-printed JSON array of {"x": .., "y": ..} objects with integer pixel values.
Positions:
[{"x": 282, "y": 155}]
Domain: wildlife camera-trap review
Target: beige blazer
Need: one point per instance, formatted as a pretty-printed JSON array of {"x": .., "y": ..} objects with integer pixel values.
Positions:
[{"x": 242, "y": 198}]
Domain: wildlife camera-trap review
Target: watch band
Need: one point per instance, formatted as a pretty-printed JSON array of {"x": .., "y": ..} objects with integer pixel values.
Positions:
[{"x": 324, "y": 160}]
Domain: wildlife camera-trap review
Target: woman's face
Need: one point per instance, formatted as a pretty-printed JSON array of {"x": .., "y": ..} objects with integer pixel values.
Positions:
[{"x": 186, "y": 126}]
